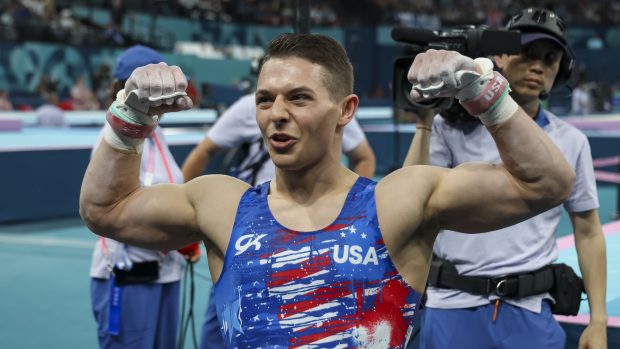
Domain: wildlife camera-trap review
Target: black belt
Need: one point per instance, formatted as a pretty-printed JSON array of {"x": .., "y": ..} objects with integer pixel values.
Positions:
[
  {"x": 443, "y": 274},
  {"x": 140, "y": 272}
]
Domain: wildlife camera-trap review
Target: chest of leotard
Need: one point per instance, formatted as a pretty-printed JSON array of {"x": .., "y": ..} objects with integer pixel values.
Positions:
[{"x": 322, "y": 289}]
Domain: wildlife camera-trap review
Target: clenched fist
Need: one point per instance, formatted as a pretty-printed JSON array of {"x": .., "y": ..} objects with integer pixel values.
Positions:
[
  {"x": 439, "y": 73},
  {"x": 150, "y": 91},
  {"x": 160, "y": 87},
  {"x": 480, "y": 90}
]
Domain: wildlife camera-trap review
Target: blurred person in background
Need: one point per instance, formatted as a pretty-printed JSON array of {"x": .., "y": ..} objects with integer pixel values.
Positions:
[
  {"x": 602, "y": 96},
  {"x": 581, "y": 99},
  {"x": 82, "y": 97},
  {"x": 135, "y": 291},
  {"x": 49, "y": 114},
  {"x": 102, "y": 80},
  {"x": 5, "y": 101}
]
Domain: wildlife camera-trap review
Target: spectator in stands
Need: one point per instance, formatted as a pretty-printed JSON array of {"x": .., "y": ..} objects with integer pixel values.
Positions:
[
  {"x": 82, "y": 97},
  {"x": 48, "y": 89},
  {"x": 66, "y": 21},
  {"x": 322, "y": 14},
  {"x": 145, "y": 280},
  {"x": 48, "y": 12},
  {"x": 18, "y": 12},
  {"x": 117, "y": 13},
  {"x": 102, "y": 80},
  {"x": 498, "y": 290},
  {"x": 49, "y": 114},
  {"x": 5, "y": 101}
]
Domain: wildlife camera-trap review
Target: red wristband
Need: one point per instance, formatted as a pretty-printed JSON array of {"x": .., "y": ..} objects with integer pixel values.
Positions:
[
  {"x": 128, "y": 129},
  {"x": 491, "y": 94}
]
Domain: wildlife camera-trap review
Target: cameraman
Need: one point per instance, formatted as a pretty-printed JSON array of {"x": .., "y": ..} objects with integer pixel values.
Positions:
[{"x": 510, "y": 312}]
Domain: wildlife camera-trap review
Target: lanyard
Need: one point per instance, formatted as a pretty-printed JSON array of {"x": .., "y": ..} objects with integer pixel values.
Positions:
[{"x": 150, "y": 167}]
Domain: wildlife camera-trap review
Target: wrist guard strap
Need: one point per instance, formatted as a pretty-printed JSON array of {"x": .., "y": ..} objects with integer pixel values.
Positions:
[
  {"x": 494, "y": 91},
  {"x": 493, "y": 104},
  {"x": 128, "y": 122}
]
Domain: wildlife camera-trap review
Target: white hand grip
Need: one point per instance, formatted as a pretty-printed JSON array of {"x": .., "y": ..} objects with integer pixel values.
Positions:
[
  {"x": 462, "y": 77},
  {"x": 429, "y": 91},
  {"x": 465, "y": 77},
  {"x": 133, "y": 102},
  {"x": 172, "y": 95}
]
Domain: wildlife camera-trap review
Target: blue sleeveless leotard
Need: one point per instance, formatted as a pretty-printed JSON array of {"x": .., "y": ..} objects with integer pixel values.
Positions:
[{"x": 332, "y": 288}]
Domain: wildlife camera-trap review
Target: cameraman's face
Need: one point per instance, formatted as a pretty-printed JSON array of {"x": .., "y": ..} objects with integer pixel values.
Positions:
[{"x": 533, "y": 71}]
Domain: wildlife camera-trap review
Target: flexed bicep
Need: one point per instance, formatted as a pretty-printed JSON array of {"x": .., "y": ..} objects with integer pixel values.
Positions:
[
  {"x": 113, "y": 204},
  {"x": 480, "y": 197}
]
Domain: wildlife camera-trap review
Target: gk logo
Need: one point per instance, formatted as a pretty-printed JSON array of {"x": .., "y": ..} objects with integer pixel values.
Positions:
[{"x": 246, "y": 241}]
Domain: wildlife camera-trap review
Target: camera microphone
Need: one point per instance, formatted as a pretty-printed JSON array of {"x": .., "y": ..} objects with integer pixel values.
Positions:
[
  {"x": 414, "y": 35},
  {"x": 470, "y": 42}
]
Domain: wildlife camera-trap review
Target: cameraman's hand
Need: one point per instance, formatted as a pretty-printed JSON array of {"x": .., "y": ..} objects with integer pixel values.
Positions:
[
  {"x": 425, "y": 118},
  {"x": 155, "y": 81},
  {"x": 434, "y": 74}
]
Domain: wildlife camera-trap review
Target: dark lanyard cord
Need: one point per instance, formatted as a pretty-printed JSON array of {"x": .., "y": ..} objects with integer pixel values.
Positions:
[{"x": 185, "y": 321}]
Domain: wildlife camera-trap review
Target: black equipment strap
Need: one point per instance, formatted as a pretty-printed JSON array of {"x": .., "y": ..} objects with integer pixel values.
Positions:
[{"x": 443, "y": 274}]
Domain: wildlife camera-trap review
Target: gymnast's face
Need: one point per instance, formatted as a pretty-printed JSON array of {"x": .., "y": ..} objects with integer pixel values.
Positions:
[{"x": 298, "y": 119}]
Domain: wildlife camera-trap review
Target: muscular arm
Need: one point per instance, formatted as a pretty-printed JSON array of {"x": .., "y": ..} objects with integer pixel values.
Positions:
[
  {"x": 198, "y": 159},
  {"x": 533, "y": 177},
  {"x": 113, "y": 204},
  {"x": 475, "y": 197},
  {"x": 362, "y": 160},
  {"x": 478, "y": 197},
  {"x": 590, "y": 244},
  {"x": 163, "y": 216}
]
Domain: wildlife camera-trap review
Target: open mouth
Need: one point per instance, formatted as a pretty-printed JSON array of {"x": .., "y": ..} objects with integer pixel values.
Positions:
[{"x": 281, "y": 141}]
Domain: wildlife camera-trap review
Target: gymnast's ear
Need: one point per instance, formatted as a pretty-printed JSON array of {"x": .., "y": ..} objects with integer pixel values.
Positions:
[{"x": 349, "y": 105}]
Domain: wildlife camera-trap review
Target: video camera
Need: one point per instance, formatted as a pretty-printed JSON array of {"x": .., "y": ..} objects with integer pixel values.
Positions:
[{"x": 471, "y": 41}]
